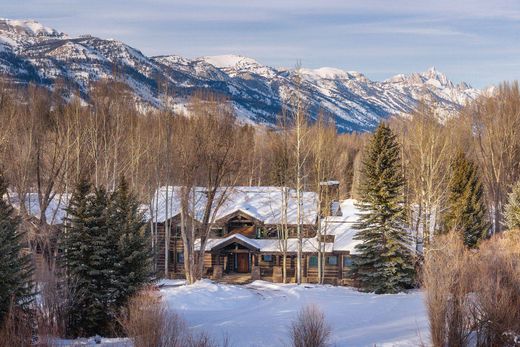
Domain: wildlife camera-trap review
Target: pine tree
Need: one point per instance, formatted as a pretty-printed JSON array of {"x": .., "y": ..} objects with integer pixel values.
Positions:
[
  {"x": 466, "y": 209},
  {"x": 384, "y": 261},
  {"x": 15, "y": 268},
  {"x": 512, "y": 209},
  {"x": 133, "y": 267}
]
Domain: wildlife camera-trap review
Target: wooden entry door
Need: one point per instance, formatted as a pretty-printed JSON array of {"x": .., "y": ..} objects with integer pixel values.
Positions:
[{"x": 242, "y": 262}]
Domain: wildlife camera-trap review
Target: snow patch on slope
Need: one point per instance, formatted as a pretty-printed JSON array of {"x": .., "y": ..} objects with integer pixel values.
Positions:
[
  {"x": 229, "y": 61},
  {"x": 30, "y": 27}
]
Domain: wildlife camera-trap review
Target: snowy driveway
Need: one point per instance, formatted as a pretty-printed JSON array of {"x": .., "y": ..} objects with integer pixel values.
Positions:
[{"x": 259, "y": 314}]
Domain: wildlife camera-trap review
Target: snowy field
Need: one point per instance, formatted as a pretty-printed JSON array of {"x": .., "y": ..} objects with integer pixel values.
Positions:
[{"x": 259, "y": 314}]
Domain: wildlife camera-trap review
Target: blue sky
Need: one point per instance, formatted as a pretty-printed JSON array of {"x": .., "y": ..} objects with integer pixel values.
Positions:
[{"x": 477, "y": 41}]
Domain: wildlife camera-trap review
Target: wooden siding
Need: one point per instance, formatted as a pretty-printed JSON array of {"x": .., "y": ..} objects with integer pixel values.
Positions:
[{"x": 333, "y": 274}]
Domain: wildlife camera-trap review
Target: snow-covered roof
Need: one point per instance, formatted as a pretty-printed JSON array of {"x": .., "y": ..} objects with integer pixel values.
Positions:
[
  {"x": 342, "y": 227},
  {"x": 262, "y": 203},
  {"x": 55, "y": 212},
  {"x": 309, "y": 245}
]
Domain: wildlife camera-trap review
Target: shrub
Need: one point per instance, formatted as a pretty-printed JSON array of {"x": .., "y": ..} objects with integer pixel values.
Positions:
[
  {"x": 150, "y": 324},
  {"x": 310, "y": 328},
  {"x": 473, "y": 297},
  {"x": 16, "y": 329}
]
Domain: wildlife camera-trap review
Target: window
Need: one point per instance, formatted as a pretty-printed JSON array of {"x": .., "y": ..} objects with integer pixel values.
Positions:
[
  {"x": 347, "y": 261},
  {"x": 180, "y": 258},
  {"x": 332, "y": 260},
  {"x": 313, "y": 261},
  {"x": 267, "y": 258}
]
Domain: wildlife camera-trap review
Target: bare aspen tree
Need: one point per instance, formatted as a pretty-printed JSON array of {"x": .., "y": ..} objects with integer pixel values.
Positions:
[
  {"x": 209, "y": 149},
  {"x": 427, "y": 150},
  {"x": 281, "y": 159},
  {"x": 323, "y": 155},
  {"x": 299, "y": 116},
  {"x": 495, "y": 122}
]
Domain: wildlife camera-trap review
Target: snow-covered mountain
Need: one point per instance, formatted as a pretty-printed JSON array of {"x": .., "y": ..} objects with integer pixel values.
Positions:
[{"x": 31, "y": 52}]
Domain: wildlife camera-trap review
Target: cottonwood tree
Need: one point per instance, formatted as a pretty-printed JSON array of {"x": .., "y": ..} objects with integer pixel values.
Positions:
[
  {"x": 208, "y": 150},
  {"x": 495, "y": 122}
]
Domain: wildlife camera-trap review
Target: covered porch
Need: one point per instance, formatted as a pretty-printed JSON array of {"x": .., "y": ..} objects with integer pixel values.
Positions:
[{"x": 235, "y": 254}]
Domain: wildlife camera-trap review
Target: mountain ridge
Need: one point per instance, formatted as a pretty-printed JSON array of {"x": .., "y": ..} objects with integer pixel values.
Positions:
[{"x": 32, "y": 52}]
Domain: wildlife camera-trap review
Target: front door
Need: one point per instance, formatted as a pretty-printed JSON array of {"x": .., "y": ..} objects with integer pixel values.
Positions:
[{"x": 242, "y": 262}]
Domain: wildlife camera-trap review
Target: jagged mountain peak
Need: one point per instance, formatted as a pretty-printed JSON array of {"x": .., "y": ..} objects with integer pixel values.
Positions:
[
  {"x": 31, "y": 52},
  {"x": 432, "y": 76},
  {"x": 28, "y": 27}
]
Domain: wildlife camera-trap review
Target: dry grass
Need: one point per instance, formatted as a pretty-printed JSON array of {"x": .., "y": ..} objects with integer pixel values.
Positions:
[
  {"x": 310, "y": 328},
  {"x": 52, "y": 306},
  {"x": 150, "y": 324},
  {"x": 473, "y": 297},
  {"x": 444, "y": 277},
  {"x": 497, "y": 291},
  {"x": 16, "y": 329}
]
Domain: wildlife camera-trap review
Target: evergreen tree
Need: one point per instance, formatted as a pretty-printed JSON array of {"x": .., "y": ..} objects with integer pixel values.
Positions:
[
  {"x": 76, "y": 248},
  {"x": 384, "y": 262},
  {"x": 101, "y": 265},
  {"x": 87, "y": 261},
  {"x": 106, "y": 256},
  {"x": 466, "y": 209},
  {"x": 128, "y": 232},
  {"x": 15, "y": 268},
  {"x": 512, "y": 209}
]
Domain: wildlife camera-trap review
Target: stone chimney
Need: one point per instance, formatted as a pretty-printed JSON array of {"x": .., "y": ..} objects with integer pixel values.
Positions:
[{"x": 329, "y": 198}]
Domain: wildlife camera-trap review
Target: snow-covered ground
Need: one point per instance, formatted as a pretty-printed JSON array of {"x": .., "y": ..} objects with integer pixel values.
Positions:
[{"x": 260, "y": 314}]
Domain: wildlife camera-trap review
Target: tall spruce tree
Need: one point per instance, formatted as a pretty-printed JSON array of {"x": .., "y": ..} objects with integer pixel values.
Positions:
[
  {"x": 512, "y": 209},
  {"x": 384, "y": 261},
  {"x": 76, "y": 247},
  {"x": 466, "y": 210},
  {"x": 87, "y": 257},
  {"x": 133, "y": 267},
  {"x": 106, "y": 256},
  {"x": 15, "y": 268}
]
